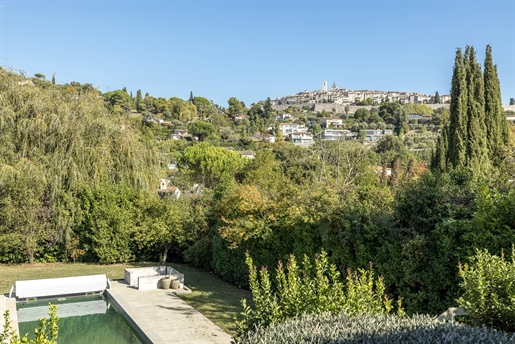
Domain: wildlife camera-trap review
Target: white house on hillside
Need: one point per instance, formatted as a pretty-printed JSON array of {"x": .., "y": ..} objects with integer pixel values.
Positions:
[
  {"x": 301, "y": 138},
  {"x": 288, "y": 128},
  {"x": 376, "y": 135},
  {"x": 327, "y": 122},
  {"x": 337, "y": 134},
  {"x": 166, "y": 189}
]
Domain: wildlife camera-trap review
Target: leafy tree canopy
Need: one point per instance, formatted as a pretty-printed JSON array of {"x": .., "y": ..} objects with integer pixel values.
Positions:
[{"x": 201, "y": 129}]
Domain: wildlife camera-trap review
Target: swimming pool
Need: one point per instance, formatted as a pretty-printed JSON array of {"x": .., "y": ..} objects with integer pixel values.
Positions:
[{"x": 83, "y": 320}]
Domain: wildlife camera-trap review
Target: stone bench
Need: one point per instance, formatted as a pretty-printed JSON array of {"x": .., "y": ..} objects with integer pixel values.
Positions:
[
  {"x": 132, "y": 275},
  {"x": 149, "y": 282},
  {"x": 149, "y": 277}
]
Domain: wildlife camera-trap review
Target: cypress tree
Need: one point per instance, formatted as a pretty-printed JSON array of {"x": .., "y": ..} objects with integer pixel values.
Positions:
[
  {"x": 458, "y": 111},
  {"x": 394, "y": 178},
  {"x": 477, "y": 127},
  {"x": 442, "y": 146},
  {"x": 138, "y": 101},
  {"x": 410, "y": 170},
  {"x": 437, "y": 98},
  {"x": 495, "y": 120},
  {"x": 477, "y": 154}
]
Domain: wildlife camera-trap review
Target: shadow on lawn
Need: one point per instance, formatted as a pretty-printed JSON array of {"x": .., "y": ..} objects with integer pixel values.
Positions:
[{"x": 216, "y": 299}]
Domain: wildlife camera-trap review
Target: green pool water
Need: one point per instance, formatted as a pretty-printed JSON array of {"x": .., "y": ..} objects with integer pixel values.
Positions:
[{"x": 83, "y": 320}]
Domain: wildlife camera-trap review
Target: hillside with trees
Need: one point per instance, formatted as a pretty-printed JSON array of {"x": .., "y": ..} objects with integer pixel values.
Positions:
[{"x": 80, "y": 174}]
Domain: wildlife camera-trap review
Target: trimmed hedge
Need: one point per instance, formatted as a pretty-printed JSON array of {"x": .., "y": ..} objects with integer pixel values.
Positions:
[{"x": 343, "y": 328}]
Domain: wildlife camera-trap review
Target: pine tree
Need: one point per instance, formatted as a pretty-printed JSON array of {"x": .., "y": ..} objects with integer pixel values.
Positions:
[
  {"x": 456, "y": 155},
  {"x": 495, "y": 120}
]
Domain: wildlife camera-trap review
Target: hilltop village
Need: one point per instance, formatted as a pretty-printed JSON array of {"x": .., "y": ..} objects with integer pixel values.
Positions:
[{"x": 360, "y": 97}]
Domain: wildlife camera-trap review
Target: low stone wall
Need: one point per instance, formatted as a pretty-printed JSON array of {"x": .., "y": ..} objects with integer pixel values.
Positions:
[
  {"x": 149, "y": 282},
  {"x": 131, "y": 276},
  {"x": 149, "y": 277}
]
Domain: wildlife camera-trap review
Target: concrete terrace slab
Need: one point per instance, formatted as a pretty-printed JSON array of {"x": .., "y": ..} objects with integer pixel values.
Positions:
[
  {"x": 162, "y": 317},
  {"x": 8, "y": 303}
]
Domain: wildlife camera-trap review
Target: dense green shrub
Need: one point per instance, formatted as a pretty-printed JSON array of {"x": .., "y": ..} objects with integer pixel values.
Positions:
[
  {"x": 381, "y": 328},
  {"x": 489, "y": 290},
  {"x": 311, "y": 287},
  {"x": 229, "y": 263},
  {"x": 108, "y": 225},
  {"x": 421, "y": 250},
  {"x": 495, "y": 216}
]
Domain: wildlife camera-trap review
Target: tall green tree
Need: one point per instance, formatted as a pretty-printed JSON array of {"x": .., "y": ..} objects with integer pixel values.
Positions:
[
  {"x": 268, "y": 107},
  {"x": 72, "y": 143},
  {"x": 118, "y": 98},
  {"x": 235, "y": 106},
  {"x": 25, "y": 211},
  {"x": 203, "y": 106},
  {"x": 458, "y": 119},
  {"x": 108, "y": 222},
  {"x": 362, "y": 114},
  {"x": 437, "y": 98},
  {"x": 477, "y": 126},
  {"x": 166, "y": 224},
  {"x": 442, "y": 146},
  {"x": 182, "y": 110},
  {"x": 201, "y": 129},
  {"x": 495, "y": 120},
  {"x": 477, "y": 155},
  {"x": 139, "y": 100},
  {"x": 211, "y": 165}
]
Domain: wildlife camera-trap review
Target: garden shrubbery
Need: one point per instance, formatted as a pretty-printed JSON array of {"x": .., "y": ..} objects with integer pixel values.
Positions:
[
  {"x": 313, "y": 287},
  {"x": 489, "y": 290},
  {"x": 46, "y": 333},
  {"x": 378, "y": 328}
]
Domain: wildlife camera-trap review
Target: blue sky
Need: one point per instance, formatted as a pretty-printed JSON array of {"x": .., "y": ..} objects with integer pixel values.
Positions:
[{"x": 255, "y": 49}]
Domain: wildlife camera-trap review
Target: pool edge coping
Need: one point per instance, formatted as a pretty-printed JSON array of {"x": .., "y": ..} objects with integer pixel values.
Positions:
[
  {"x": 122, "y": 310},
  {"x": 9, "y": 303}
]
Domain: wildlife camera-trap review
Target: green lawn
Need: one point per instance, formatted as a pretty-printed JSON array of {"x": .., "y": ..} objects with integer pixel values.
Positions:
[{"x": 211, "y": 296}]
